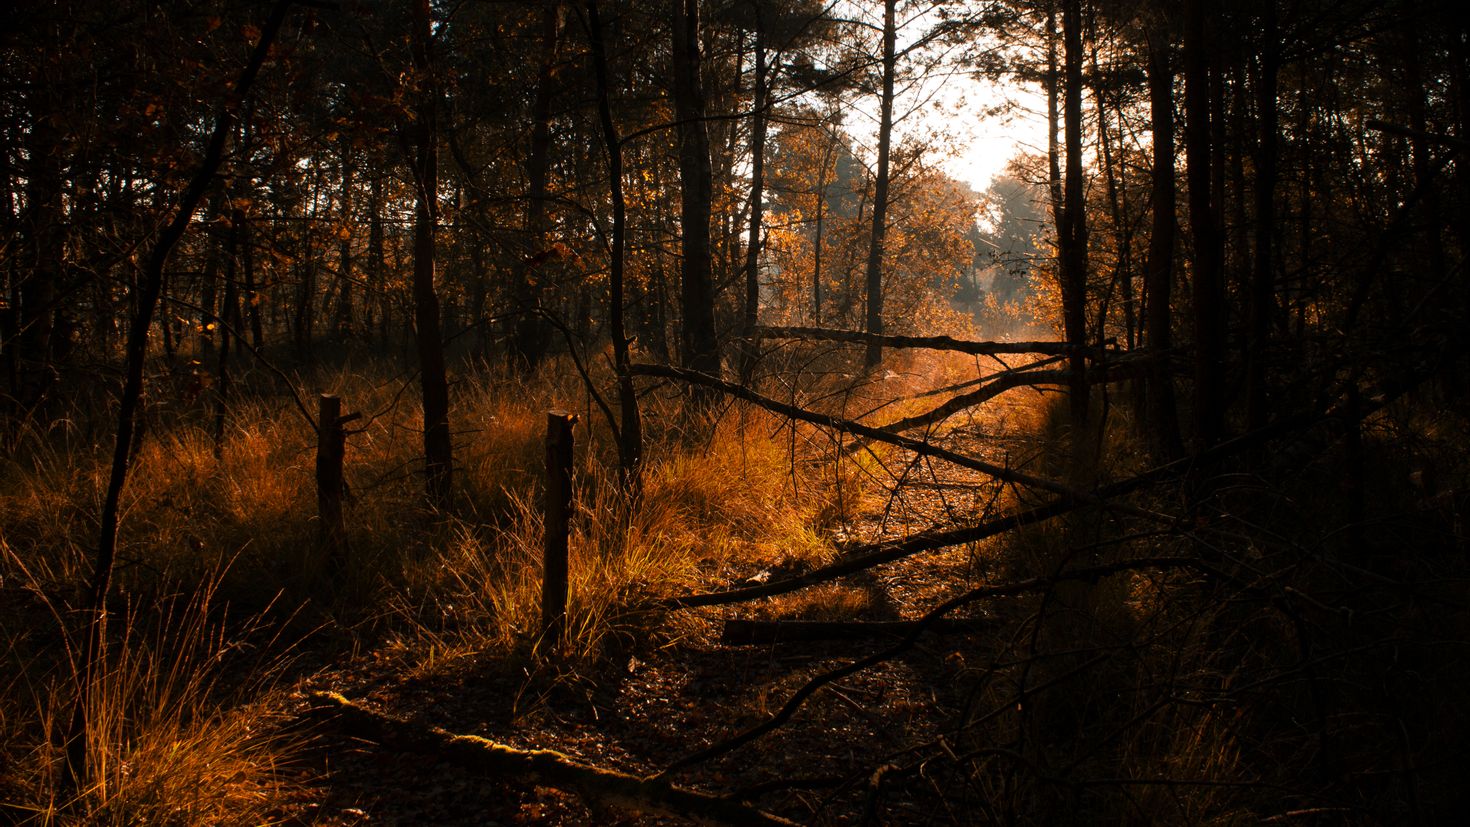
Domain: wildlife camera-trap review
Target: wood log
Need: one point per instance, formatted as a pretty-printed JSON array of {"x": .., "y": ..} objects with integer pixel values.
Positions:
[
  {"x": 762, "y": 632},
  {"x": 545, "y": 767}
]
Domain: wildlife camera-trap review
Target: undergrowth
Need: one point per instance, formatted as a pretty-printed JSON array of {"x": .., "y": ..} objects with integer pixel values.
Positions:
[{"x": 181, "y": 719}]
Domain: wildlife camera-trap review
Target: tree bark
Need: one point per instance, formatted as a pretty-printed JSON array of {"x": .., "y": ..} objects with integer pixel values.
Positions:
[
  {"x": 874, "y": 320},
  {"x": 757, "y": 192},
  {"x": 1209, "y": 252},
  {"x": 1072, "y": 228},
  {"x": 1163, "y": 416},
  {"x": 630, "y": 428},
  {"x": 433, "y": 381},
  {"x": 700, "y": 350}
]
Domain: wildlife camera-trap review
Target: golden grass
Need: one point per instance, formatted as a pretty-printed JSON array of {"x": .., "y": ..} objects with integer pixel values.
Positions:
[
  {"x": 180, "y": 727},
  {"x": 173, "y": 733},
  {"x": 725, "y": 504}
]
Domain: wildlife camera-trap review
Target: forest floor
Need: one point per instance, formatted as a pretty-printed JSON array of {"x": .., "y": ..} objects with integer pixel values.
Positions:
[{"x": 643, "y": 706}]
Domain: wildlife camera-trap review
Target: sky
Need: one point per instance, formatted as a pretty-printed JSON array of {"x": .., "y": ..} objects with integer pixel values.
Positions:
[
  {"x": 975, "y": 126},
  {"x": 982, "y": 140}
]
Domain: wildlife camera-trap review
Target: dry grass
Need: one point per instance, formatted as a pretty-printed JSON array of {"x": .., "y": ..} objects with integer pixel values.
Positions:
[
  {"x": 726, "y": 504},
  {"x": 174, "y": 734},
  {"x": 180, "y": 723}
]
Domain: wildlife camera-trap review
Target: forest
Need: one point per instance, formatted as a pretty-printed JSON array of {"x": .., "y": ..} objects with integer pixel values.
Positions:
[{"x": 631, "y": 412}]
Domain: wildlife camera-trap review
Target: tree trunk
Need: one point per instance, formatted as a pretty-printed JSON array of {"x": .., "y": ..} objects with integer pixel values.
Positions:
[
  {"x": 757, "y": 185},
  {"x": 700, "y": 350},
  {"x": 874, "y": 323},
  {"x": 438, "y": 449},
  {"x": 1263, "y": 284},
  {"x": 136, "y": 354},
  {"x": 376, "y": 258},
  {"x": 630, "y": 430},
  {"x": 343, "y": 319},
  {"x": 1209, "y": 284},
  {"x": 1072, "y": 229},
  {"x": 45, "y": 250},
  {"x": 822, "y": 184},
  {"x": 1163, "y": 417},
  {"x": 528, "y": 345}
]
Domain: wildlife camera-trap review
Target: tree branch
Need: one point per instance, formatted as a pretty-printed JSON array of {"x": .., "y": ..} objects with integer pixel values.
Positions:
[{"x": 541, "y": 766}]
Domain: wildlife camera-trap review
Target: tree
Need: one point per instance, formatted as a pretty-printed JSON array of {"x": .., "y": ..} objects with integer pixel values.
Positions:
[
  {"x": 1209, "y": 249},
  {"x": 1072, "y": 228},
  {"x": 699, "y": 349},
  {"x": 1162, "y": 417},
  {"x": 433, "y": 379},
  {"x": 629, "y": 428},
  {"x": 874, "y": 270}
]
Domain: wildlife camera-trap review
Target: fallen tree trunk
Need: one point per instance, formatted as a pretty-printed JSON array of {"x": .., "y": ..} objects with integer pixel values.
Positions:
[
  {"x": 760, "y": 632},
  {"x": 821, "y": 334},
  {"x": 545, "y": 767}
]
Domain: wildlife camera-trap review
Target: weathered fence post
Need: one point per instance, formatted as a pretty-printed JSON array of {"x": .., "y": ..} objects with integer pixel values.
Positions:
[
  {"x": 331, "y": 448},
  {"x": 558, "y": 518}
]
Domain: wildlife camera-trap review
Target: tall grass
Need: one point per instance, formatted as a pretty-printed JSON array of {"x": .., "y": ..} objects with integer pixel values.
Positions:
[
  {"x": 174, "y": 733},
  {"x": 709, "y": 509},
  {"x": 181, "y": 726}
]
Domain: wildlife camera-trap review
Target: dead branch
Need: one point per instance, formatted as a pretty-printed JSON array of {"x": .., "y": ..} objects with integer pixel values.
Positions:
[
  {"x": 970, "y": 383},
  {"x": 848, "y": 426},
  {"x": 1010, "y": 380},
  {"x": 545, "y": 767},
  {"x": 1091, "y": 574},
  {"x": 761, "y": 632},
  {"x": 949, "y": 343},
  {"x": 877, "y": 554},
  {"x": 1024, "y": 377},
  {"x": 1433, "y": 137}
]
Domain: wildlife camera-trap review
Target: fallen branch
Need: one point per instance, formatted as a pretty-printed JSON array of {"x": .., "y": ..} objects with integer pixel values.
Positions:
[
  {"x": 1010, "y": 380},
  {"x": 821, "y": 334},
  {"x": 545, "y": 767},
  {"x": 761, "y": 632},
  {"x": 1034, "y": 584},
  {"x": 970, "y": 383},
  {"x": 1000, "y": 383},
  {"x": 848, "y": 426},
  {"x": 869, "y": 556}
]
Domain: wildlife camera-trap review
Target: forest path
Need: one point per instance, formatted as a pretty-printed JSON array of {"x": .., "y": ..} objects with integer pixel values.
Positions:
[{"x": 644, "y": 707}]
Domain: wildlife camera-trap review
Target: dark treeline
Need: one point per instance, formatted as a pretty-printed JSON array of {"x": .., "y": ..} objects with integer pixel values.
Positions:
[{"x": 1308, "y": 226}]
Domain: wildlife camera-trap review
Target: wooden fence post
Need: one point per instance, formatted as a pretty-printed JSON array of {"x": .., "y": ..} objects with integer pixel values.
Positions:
[
  {"x": 331, "y": 448},
  {"x": 558, "y": 518}
]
